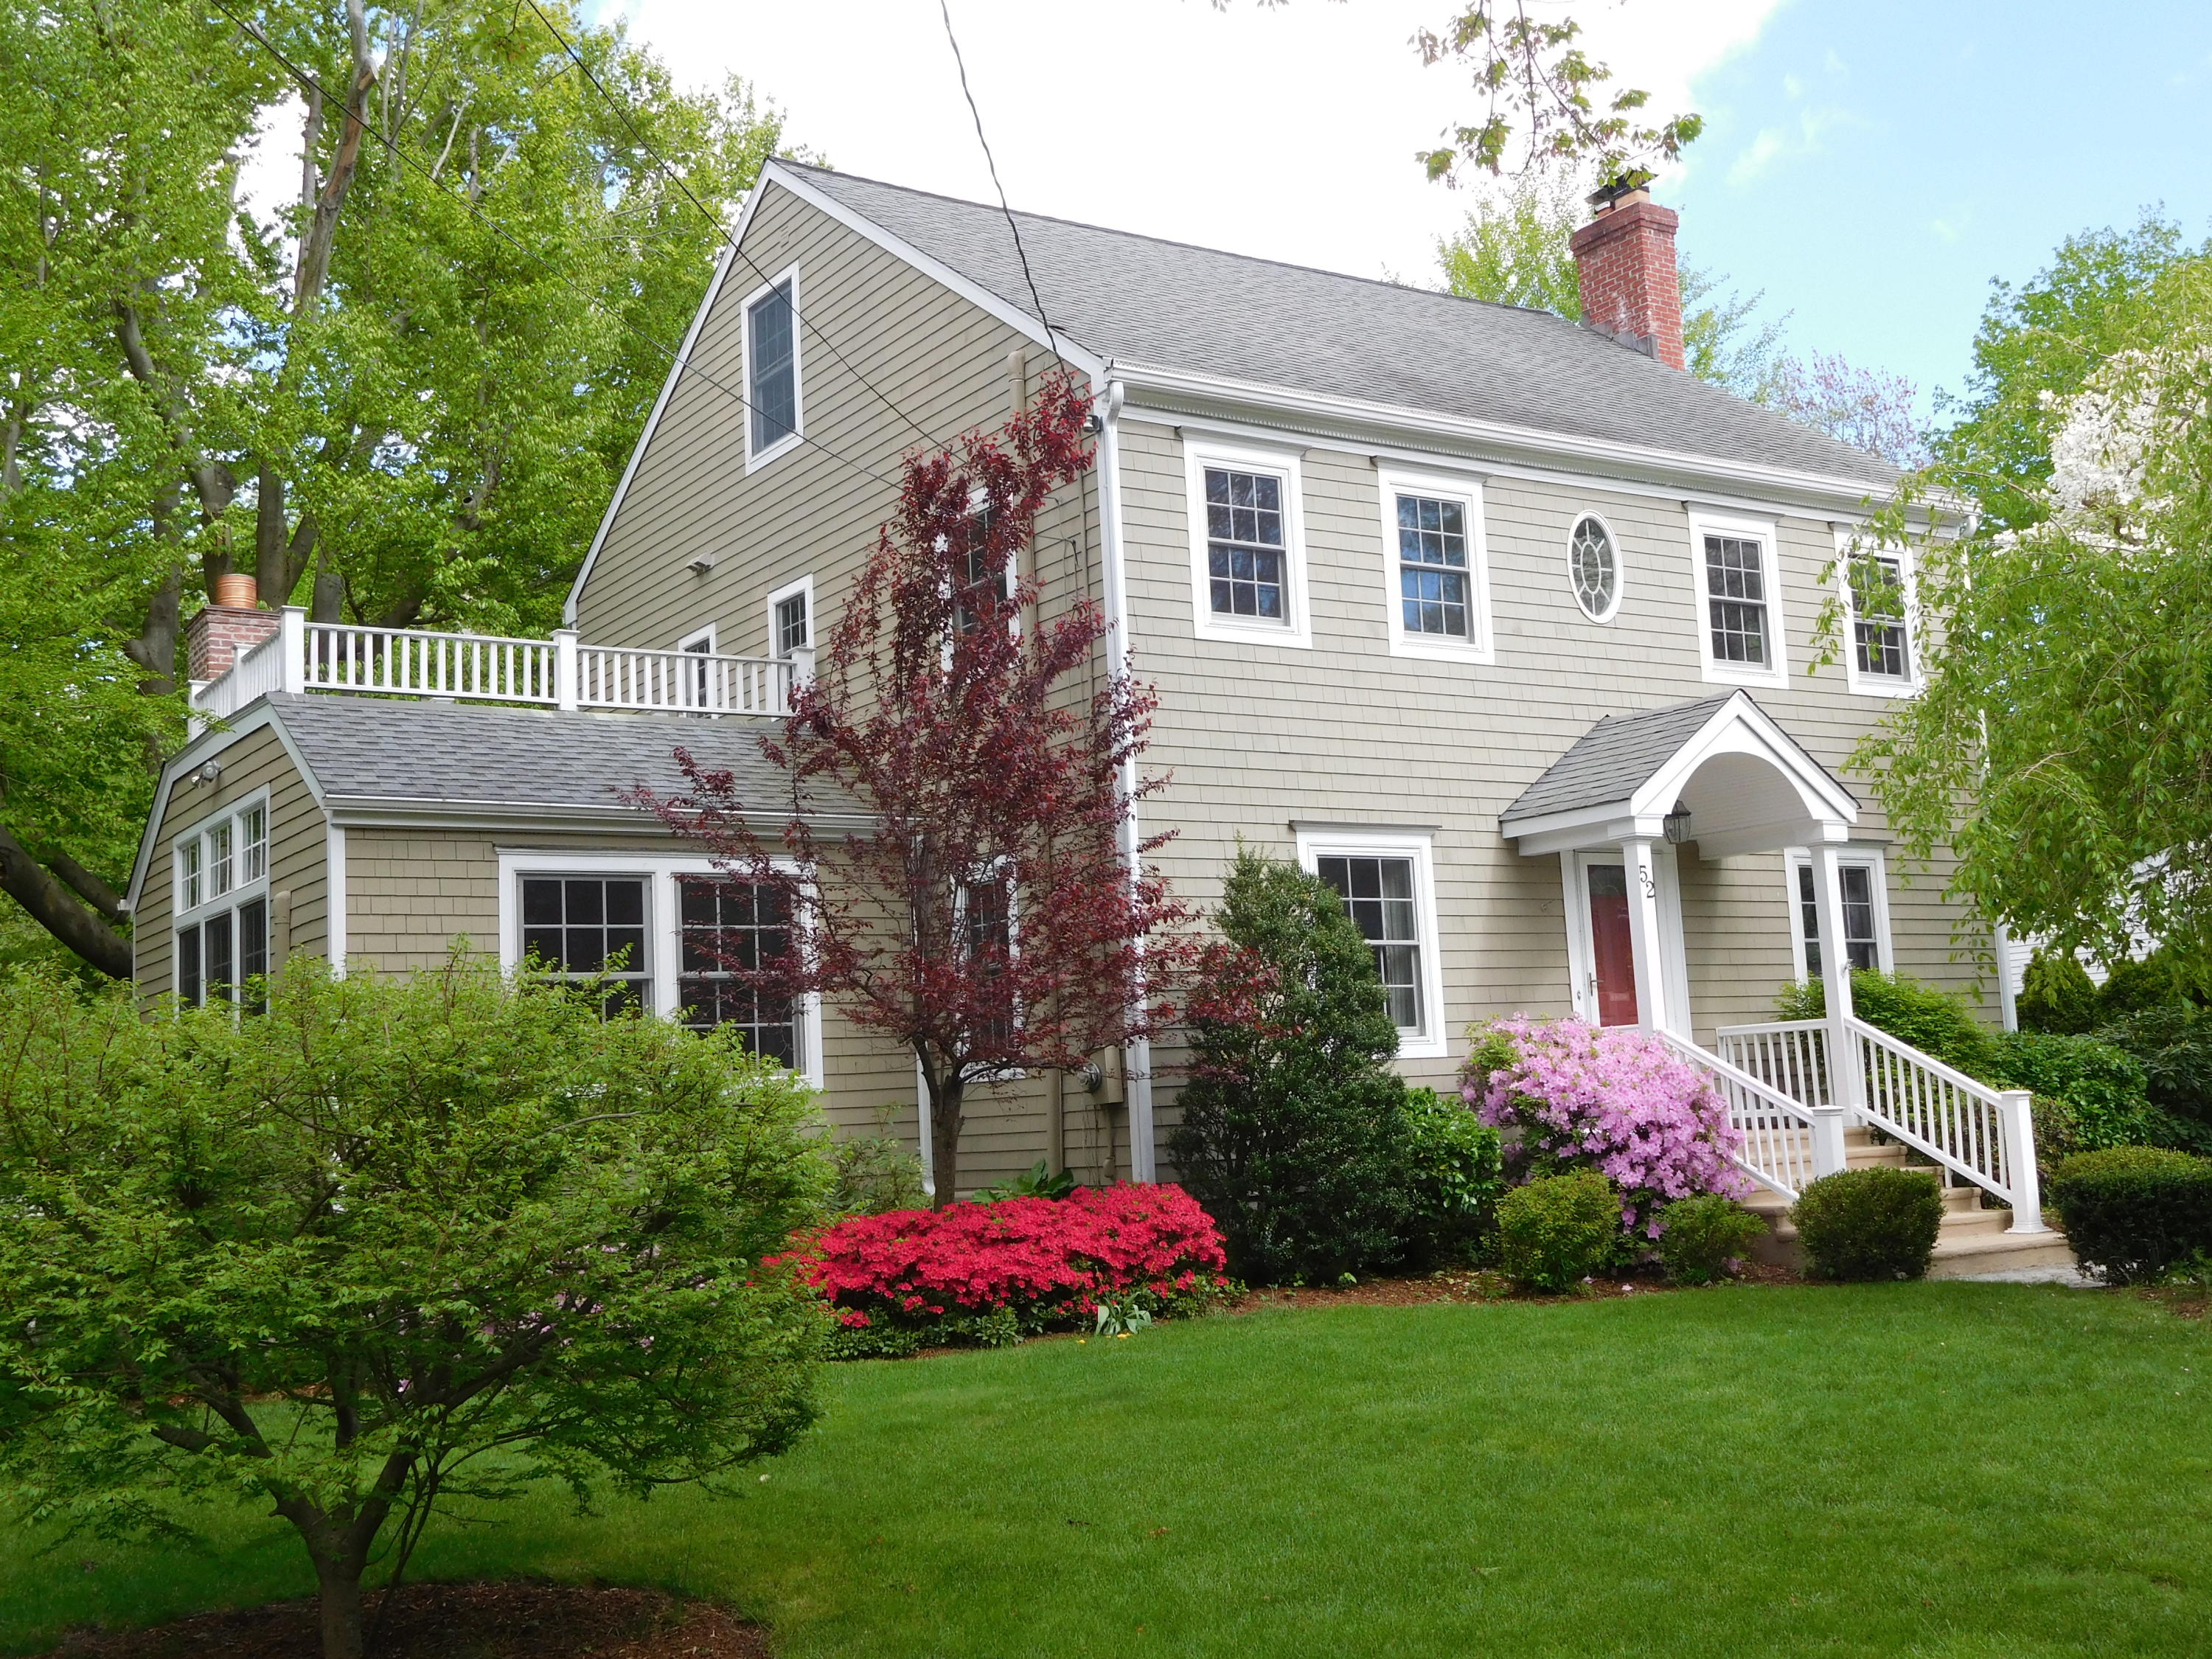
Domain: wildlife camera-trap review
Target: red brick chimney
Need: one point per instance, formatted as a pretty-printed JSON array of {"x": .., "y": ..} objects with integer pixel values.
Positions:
[
  {"x": 1625, "y": 259},
  {"x": 218, "y": 633}
]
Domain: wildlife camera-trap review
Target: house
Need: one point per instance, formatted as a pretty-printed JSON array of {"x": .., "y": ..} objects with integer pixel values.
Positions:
[{"x": 1505, "y": 625}]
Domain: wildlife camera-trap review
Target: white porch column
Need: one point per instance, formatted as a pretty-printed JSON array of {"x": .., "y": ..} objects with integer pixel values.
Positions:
[
  {"x": 566, "y": 691},
  {"x": 1647, "y": 937},
  {"x": 292, "y": 626},
  {"x": 1847, "y": 1096}
]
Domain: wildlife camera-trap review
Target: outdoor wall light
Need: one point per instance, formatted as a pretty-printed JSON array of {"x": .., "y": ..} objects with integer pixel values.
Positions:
[{"x": 1677, "y": 824}]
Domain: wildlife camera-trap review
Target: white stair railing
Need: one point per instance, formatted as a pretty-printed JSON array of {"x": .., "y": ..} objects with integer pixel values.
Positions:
[
  {"x": 1985, "y": 1134},
  {"x": 1785, "y": 1144},
  {"x": 258, "y": 671},
  {"x": 1790, "y": 1055},
  {"x": 485, "y": 667}
]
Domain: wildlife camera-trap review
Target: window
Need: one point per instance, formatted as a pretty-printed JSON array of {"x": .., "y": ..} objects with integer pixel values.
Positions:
[
  {"x": 1740, "y": 601},
  {"x": 980, "y": 585},
  {"x": 1879, "y": 595},
  {"x": 1437, "y": 594},
  {"x": 1246, "y": 576},
  {"x": 1385, "y": 880},
  {"x": 221, "y": 934},
  {"x": 591, "y": 926},
  {"x": 739, "y": 925},
  {"x": 772, "y": 369},
  {"x": 1866, "y": 912},
  {"x": 1594, "y": 568},
  {"x": 986, "y": 911},
  {"x": 791, "y": 617},
  {"x": 700, "y": 682}
]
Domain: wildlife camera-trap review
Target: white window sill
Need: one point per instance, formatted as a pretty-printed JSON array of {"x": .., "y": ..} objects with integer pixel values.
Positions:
[
  {"x": 755, "y": 459},
  {"x": 1875, "y": 685},
  {"x": 1443, "y": 648},
  {"x": 1413, "y": 1046},
  {"x": 1210, "y": 627},
  {"x": 1730, "y": 673}
]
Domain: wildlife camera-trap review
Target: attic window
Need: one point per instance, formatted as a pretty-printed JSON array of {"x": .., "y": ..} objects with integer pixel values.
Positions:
[{"x": 772, "y": 369}]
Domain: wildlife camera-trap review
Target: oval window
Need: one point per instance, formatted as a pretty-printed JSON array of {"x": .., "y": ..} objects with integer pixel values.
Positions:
[{"x": 1594, "y": 568}]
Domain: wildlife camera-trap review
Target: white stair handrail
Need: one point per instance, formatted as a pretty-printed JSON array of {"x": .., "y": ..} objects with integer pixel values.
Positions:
[
  {"x": 1789, "y": 1054},
  {"x": 1985, "y": 1134},
  {"x": 1784, "y": 1144}
]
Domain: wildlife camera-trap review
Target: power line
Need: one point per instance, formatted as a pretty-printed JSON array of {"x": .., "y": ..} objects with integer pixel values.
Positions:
[
  {"x": 1051, "y": 339},
  {"x": 661, "y": 165},
  {"x": 309, "y": 83}
]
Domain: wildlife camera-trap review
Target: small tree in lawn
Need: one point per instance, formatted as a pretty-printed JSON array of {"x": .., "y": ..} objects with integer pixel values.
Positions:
[
  {"x": 391, "y": 1243},
  {"x": 987, "y": 917}
]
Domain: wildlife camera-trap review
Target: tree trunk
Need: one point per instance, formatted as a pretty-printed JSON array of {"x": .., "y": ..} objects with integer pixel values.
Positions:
[
  {"x": 944, "y": 1131},
  {"x": 339, "y": 1586},
  {"x": 56, "y": 908}
]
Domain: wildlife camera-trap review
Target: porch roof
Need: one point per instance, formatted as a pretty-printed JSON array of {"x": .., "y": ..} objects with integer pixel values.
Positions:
[{"x": 1749, "y": 784}]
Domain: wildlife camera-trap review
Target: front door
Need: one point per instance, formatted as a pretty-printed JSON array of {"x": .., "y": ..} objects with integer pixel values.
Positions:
[{"x": 1612, "y": 988}]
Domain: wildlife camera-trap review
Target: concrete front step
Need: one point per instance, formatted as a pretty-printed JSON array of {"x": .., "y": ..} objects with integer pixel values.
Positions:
[{"x": 1969, "y": 1240}]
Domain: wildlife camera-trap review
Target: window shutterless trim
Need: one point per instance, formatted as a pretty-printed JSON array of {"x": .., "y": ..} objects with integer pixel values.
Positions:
[
  {"x": 1719, "y": 670},
  {"x": 1795, "y": 858},
  {"x": 790, "y": 441},
  {"x": 663, "y": 923},
  {"x": 1619, "y": 565},
  {"x": 1862, "y": 682},
  {"x": 1296, "y": 629},
  {"x": 802, "y": 588},
  {"x": 1479, "y": 645},
  {"x": 1428, "y": 1043},
  {"x": 243, "y": 894}
]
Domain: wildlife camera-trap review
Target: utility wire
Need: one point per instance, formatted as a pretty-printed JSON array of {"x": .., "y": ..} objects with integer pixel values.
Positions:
[
  {"x": 1051, "y": 339},
  {"x": 308, "y": 83},
  {"x": 661, "y": 165}
]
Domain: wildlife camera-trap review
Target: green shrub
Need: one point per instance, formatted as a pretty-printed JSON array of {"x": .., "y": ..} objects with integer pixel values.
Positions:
[
  {"x": 2098, "y": 1088},
  {"x": 2057, "y": 995},
  {"x": 2134, "y": 1212},
  {"x": 1559, "y": 1230},
  {"x": 1038, "y": 1181},
  {"x": 876, "y": 1174},
  {"x": 1705, "y": 1237},
  {"x": 1869, "y": 1224},
  {"x": 1935, "y": 1022},
  {"x": 2173, "y": 1042},
  {"x": 1455, "y": 1178},
  {"x": 1294, "y": 1133},
  {"x": 2161, "y": 980}
]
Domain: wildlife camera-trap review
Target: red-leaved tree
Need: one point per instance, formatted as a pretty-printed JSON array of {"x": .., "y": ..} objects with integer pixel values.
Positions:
[{"x": 990, "y": 914}]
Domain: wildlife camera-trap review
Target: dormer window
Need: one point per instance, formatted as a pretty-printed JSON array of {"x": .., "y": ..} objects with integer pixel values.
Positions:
[{"x": 771, "y": 348}]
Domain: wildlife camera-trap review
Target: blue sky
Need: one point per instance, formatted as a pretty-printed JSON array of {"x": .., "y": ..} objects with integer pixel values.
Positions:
[{"x": 1872, "y": 165}]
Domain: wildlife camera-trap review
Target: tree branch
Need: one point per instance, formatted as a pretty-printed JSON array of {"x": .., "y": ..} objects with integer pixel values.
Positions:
[
  {"x": 54, "y": 907},
  {"x": 89, "y": 887}
]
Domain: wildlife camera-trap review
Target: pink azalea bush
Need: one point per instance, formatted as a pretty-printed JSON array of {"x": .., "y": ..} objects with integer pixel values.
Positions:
[
  {"x": 1614, "y": 1099},
  {"x": 994, "y": 1272}
]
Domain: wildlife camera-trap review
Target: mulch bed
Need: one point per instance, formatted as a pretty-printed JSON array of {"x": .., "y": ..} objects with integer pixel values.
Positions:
[{"x": 507, "y": 1619}]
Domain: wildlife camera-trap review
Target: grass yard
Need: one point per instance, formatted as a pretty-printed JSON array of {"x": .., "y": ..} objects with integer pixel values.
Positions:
[{"x": 1926, "y": 1469}]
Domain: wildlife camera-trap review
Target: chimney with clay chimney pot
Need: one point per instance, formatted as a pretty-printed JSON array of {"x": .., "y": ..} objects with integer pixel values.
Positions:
[
  {"x": 1625, "y": 259},
  {"x": 221, "y": 633}
]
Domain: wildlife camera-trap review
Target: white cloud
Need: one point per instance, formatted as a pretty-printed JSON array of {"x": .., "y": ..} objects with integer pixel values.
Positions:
[
  {"x": 1288, "y": 132},
  {"x": 1772, "y": 145}
]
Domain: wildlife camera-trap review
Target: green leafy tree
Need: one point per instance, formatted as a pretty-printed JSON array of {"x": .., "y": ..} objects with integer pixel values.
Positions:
[
  {"x": 394, "y": 1243},
  {"x": 2057, "y": 995},
  {"x": 1295, "y": 1134},
  {"x": 401, "y": 398}
]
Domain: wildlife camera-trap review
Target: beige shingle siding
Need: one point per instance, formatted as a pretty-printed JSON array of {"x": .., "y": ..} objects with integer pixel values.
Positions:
[
  {"x": 1257, "y": 736},
  {"x": 298, "y": 855}
]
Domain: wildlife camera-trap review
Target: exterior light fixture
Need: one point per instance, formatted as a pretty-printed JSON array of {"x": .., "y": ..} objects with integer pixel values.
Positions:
[{"x": 1677, "y": 824}]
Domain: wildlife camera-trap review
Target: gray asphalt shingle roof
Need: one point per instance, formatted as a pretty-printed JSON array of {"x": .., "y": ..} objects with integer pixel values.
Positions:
[
  {"x": 1611, "y": 761},
  {"x": 1140, "y": 301},
  {"x": 463, "y": 754}
]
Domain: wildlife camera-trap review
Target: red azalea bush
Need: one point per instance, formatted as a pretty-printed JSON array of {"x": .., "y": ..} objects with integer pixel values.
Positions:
[{"x": 995, "y": 1273}]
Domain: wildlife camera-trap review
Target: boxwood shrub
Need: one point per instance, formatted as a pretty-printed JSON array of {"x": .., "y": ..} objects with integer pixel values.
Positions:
[
  {"x": 1705, "y": 1238},
  {"x": 2131, "y": 1212},
  {"x": 1869, "y": 1224},
  {"x": 1558, "y": 1230}
]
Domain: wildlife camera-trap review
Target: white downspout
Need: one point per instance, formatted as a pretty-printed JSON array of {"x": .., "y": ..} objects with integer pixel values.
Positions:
[{"x": 1137, "y": 1061}]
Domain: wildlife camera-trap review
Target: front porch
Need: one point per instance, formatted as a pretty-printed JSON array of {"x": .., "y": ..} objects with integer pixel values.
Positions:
[{"x": 1810, "y": 1097}]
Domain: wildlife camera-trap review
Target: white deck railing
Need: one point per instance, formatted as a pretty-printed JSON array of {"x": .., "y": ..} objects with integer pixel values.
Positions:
[
  {"x": 1981, "y": 1134},
  {"x": 1781, "y": 1146},
  {"x": 559, "y": 672}
]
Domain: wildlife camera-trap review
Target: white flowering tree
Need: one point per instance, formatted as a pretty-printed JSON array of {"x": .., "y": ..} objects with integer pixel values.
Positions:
[{"x": 2064, "y": 745}]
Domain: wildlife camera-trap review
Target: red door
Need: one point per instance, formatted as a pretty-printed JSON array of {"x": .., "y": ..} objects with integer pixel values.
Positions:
[{"x": 1612, "y": 958}]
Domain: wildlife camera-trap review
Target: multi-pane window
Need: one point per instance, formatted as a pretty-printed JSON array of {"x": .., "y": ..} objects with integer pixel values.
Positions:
[
  {"x": 591, "y": 926},
  {"x": 730, "y": 928},
  {"x": 1245, "y": 550},
  {"x": 772, "y": 375},
  {"x": 986, "y": 932},
  {"x": 792, "y": 628},
  {"x": 982, "y": 575},
  {"x": 1594, "y": 568},
  {"x": 1378, "y": 894},
  {"x": 221, "y": 935},
  {"x": 1879, "y": 628},
  {"x": 1432, "y": 567},
  {"x": 1736, "y": 600},
  {"x": 1861, "y": 922}
]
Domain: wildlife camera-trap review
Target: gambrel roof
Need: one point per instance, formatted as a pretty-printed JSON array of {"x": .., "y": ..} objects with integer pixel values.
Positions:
[{"x": 1137, "y": 300}]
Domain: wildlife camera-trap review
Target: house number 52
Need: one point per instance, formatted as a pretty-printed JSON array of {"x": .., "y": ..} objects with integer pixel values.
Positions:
[{"x": 1650, "y": 887}]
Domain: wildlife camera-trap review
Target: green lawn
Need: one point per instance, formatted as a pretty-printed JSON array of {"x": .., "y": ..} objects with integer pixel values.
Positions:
[{"x": 1941, "y": 1470}]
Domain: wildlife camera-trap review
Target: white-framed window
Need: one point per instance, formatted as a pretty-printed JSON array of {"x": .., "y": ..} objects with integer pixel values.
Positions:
[
  {"x": 1247, "y": 545},
  {"x": 1388, "y": 881},
  {"x": 986, "y": 914},
  {"x": 1435, "y": 566},
  {"x": 220, "y": 927},
  {"x": 1863, "y": 876},
  {"x": 1884, "y": 657},
  {"x": 1595, "y": 575},
  {"x": 669, "y": 924},
  {"x": 773, "y": 415},
  {"x": 1739, "y": 579},
  {"x": 791, "y": 617}
]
